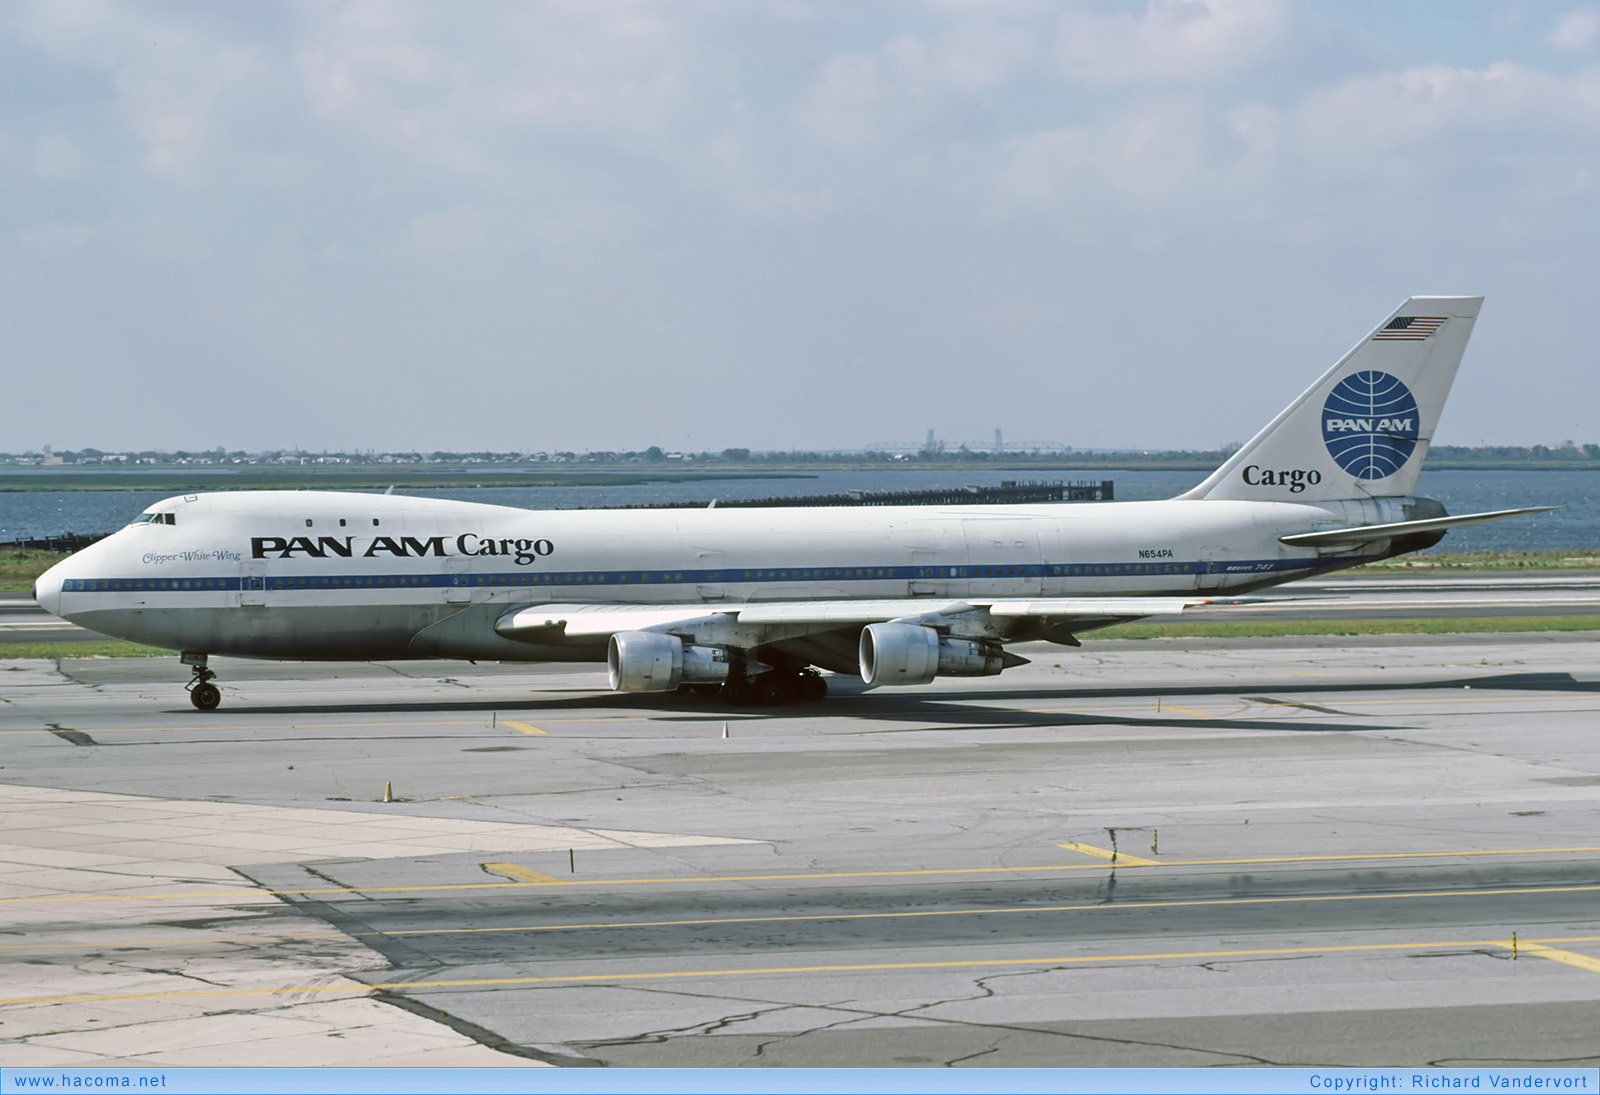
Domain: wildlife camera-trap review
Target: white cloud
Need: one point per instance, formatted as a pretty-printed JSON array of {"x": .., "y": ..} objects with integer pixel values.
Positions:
[
  {"x": 969, "y": 58},
  {"x": 862, "y": 96},
  {"x": 450, "y": 231},
  {"x": 1172, "y": 41},
  {"x": 721, "y": 173},
  {"x": 1576, "y": 30},
  {"x": 584, "y": 223},
  {"x": 56, "y": 157},
  {"x": 847, "y": 102},
  {"x": 339, "y": 81},
  {"x": 1390, "y": 110},
  {"x": 1151, "y": 151},
  {"x": 1255, "y": 125},
  {"x": 1040, "y": 165},
  {"x": 55, "y": 240}
]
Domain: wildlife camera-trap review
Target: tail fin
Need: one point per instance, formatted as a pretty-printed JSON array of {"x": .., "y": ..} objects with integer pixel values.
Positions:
[{"x": 1363, "y": 429}]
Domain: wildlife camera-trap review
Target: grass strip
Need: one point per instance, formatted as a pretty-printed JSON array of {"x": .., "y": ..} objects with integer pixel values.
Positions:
[
  {"x": 82, "y": 650},
  {"x": 1577, "y": 559},
  {"x": 20, "y": 566},
  {"x": 1264, "y": 629}
]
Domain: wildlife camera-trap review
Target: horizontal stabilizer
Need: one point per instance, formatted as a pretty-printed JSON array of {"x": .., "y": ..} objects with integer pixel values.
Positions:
[{"x": 1363, "y": 533}]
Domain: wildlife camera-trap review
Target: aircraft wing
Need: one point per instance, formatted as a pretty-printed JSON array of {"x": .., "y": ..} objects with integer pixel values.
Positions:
[{"x": 576, "y": 622}]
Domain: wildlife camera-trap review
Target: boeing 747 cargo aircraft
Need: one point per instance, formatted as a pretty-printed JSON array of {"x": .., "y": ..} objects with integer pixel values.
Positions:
[{"x": 754, "y": 602}]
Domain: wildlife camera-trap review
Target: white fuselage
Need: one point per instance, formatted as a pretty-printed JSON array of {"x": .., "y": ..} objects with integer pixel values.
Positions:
[{"x": 323, "y": 575}]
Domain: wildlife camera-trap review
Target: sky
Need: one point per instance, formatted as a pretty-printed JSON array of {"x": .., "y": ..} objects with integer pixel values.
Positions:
[{"x": 600, "y": 225}]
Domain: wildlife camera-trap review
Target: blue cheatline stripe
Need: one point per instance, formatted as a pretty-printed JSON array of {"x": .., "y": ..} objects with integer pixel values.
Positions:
[{"x": 524, "y": 579}]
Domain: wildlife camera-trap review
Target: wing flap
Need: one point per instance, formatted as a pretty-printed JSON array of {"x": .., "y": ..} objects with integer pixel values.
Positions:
[
  {"x": 1096, "y": 607},
  {"x": 547, "y": 623},
  {"x": 580, "y": 622}
]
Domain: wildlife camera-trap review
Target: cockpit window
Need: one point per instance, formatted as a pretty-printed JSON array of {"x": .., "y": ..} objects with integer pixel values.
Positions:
[
  {"x": 143, "y": 519},
  {"x": 155, "y": 519}
]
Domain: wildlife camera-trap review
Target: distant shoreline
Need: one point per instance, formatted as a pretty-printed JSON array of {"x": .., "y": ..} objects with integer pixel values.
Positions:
[
  {"x": 180, "y": 479},
  {"x": 456, "y": 477}
]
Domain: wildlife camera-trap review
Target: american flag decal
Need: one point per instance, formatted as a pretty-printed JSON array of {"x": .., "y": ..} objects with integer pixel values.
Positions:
[{"x": 1409, "y": 328}]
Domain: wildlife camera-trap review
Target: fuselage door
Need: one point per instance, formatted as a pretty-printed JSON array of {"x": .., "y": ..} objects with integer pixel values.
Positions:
[
  {"x": 1213, "y": 567},
  {"x": 710, "y": 563},
  {"x": 457, "y": 589},
  {"x": 936, "y": 558},
  {"x": 253, "y": 583},
  {"x": 1002, "y": 557}
]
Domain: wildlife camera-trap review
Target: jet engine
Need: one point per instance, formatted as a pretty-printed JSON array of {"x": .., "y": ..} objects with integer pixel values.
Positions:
[
  {"x": 912, "y": 654},
  {"x": 648, "y": 661}
]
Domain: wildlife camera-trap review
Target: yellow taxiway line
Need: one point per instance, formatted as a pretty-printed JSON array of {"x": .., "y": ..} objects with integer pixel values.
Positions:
[
  {"x": 797, "y": 877},
  {"x": 1112, "y": 854},
  {"x": 773, "y": 971},
  {"x": 1570, "y": 957},
  {"x": 520, "y": 874}
]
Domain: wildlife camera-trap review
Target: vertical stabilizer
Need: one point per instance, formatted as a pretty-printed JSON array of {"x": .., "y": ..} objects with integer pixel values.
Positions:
[{"x": 1363, "y": 429}]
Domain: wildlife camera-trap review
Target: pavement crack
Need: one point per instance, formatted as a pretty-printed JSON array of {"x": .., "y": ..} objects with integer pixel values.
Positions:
[
  {"x": 710, "y": 1026},
  {"x": 860, "y": 1016},
  {"x": 174, "y": 972},
  {"x": 1108, "y": 889},
  {"x": 400, "y": 955},
  {"x": 993, "y": 1047},
  {"x": 480, "y": 1034},
  {"x": 1274, "y": 701},
  {"x": 68, "y": 734},
  {"x": 1490, "y": 1062},
  {"x": 985, "y": 991}
]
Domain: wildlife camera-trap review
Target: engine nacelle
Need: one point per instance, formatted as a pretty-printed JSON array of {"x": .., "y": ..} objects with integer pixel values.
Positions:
[
  {"x": 898, "y": 654},
  {"x": 648, "y": 661}
]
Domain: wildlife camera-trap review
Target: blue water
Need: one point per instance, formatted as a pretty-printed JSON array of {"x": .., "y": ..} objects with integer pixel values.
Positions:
[{"x": 1575, "y": 525}]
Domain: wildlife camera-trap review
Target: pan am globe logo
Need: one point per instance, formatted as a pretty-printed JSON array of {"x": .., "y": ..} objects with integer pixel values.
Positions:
[{"x": 1370, "y": 424}]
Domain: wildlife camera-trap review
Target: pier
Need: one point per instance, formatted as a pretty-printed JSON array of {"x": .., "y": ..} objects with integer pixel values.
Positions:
[{"x": 1009, "y": 491}]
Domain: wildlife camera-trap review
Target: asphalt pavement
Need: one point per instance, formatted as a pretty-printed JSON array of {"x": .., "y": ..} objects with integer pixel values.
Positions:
[{"x": 1315, "y": 851}]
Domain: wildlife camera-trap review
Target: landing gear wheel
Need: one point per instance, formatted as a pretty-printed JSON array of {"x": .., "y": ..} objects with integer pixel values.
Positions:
[
  {"x": 773, "y": 689},
  {"x": 202, "y": 693},
  {"x": 810, "y": 687},
  {"x": 739, "y": 693},
  {"x": 206, "y": 696}
]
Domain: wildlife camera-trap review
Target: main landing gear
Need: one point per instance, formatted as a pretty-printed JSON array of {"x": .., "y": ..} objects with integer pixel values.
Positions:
[
  {"x": 202, "y": 693},
  {"x": 776, "y": 688}
]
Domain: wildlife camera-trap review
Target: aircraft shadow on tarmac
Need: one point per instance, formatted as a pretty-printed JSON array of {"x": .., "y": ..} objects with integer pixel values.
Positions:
[
  {"x": 848, "y": 697},
  {"x": 927, "y": 712}
]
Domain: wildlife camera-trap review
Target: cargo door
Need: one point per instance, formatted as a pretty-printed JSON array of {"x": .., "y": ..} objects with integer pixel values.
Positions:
[
  {"x": 1002, "y": 557},
  {"x": 936, "y": 554}
]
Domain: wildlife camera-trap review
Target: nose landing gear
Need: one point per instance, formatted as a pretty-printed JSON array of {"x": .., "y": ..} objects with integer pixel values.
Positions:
[{"x": 202, "y": 693}]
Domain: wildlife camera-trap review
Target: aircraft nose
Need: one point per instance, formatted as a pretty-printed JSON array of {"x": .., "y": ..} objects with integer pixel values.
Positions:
[{"x": 47, "y": 590}]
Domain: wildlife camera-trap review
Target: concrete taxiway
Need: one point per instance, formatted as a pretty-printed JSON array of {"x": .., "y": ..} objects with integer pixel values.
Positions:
[{"x": 1381, "y": 850}]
